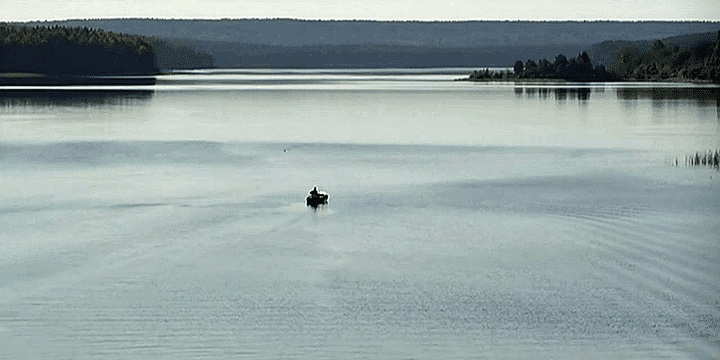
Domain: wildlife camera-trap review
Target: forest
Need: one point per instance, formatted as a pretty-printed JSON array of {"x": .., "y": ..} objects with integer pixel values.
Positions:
[
  {"x": 60, "y": 50},
  {"x": 662, "y": 62},
  {"x": 55, "y": 50},
  {"x": 295, "y": 43}
]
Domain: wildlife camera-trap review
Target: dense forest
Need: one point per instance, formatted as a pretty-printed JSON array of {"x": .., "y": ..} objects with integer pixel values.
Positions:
[
  {"x": 664, "y": 62},
  {"x": 58, "y": 50},
  {"x": 607, "y": 52},
  {"x": 73, "y": 51}
]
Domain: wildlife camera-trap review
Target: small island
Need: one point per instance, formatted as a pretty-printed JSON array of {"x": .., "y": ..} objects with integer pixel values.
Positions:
[
  {"x": 48, "y": 56},
  {"x": 699, "y": 63}
]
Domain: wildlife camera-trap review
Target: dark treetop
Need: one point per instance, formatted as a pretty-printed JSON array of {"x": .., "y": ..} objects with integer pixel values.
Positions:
[
  {"x": 73, "y": 51},
  {"x": 700, "y": 62}
]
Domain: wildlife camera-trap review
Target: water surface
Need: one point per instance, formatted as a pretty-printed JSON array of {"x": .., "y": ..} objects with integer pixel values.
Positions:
[{"x": 466, "y": 220}]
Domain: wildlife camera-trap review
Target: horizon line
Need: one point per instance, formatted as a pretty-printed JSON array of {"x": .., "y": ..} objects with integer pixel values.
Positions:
[{"x": 360, "y": 20}]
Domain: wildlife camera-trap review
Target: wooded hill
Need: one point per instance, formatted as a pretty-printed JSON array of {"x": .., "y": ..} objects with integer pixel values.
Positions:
[
  {"x": 55, "y": 49},
  {"x": 607, "y": 52},
  {"x": 661, "y": 62},
  {"x": 666, "y": 62},
  {"x": 289, "y": 43}
]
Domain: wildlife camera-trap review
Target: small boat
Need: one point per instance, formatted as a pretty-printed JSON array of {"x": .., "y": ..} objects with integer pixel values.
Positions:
[{"x": 317, "y": 197}]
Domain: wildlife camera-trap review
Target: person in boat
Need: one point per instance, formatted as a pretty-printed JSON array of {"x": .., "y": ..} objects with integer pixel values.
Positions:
[{"x": 314, "y": 192}]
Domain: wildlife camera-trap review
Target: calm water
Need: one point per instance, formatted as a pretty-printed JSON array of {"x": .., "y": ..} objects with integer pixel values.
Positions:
[{"x": 466, "y": 220}]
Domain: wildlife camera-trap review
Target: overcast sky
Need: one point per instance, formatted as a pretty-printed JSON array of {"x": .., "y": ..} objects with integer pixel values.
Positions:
[{"x": 18, "y": 10}]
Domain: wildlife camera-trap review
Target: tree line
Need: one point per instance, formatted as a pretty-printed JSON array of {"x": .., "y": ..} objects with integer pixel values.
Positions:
[
  {"x": 579, "y": 68},
  {"x": 61, "y": 50},
  {"x": 662, "y": 62}
]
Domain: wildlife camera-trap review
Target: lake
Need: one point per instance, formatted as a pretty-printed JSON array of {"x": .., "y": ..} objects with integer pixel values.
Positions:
[{"x": 466, "y": 220}]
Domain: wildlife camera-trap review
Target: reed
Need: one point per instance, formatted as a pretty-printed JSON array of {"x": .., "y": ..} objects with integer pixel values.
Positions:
[{"x": 709, "y": 158}]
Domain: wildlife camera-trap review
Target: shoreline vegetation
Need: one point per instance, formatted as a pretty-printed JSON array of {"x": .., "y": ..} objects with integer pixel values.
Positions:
[
  {"x": 696, "y": 64},
  {"x": 580, "y": 69},
  {"x": 48, "y": 56},
  {"x": 709, "y": 158}
]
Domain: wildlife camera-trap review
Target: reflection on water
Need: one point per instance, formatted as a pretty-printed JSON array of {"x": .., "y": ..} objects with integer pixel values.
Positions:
[
  {"x": 560, "y": 93},
  {"x": 79, "y": 98},
  {"x": 703, "y": 96},
  {"x": 572, "y": 93},
  {"x": 414, "y": 110}
]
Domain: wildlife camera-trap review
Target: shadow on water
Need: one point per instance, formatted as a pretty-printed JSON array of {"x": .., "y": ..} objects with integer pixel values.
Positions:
[
  {"x": 78, "y": 98},
  {"x": 560, "y": 93}
]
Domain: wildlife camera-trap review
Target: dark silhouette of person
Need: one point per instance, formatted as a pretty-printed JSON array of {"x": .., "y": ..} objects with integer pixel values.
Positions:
[{"x": 314, "y": 191}]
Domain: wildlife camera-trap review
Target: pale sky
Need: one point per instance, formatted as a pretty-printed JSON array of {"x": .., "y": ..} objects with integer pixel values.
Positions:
[{"x": 19, "y": 10}]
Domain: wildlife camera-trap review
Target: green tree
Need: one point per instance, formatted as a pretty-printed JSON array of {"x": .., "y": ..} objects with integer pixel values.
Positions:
[
  {"x": 518, "y": 68},
  {"x": 561, "y": 64}
]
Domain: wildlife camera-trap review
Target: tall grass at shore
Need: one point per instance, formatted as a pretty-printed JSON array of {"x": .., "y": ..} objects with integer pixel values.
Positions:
[{"x": 709, "y": 158}]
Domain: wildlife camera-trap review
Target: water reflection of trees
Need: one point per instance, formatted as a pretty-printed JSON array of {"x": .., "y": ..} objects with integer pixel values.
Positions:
[
  {"x": 709, "y": 96},
  {"x": 79, "y": 98},
  {"x": 560, "y": 93}
]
